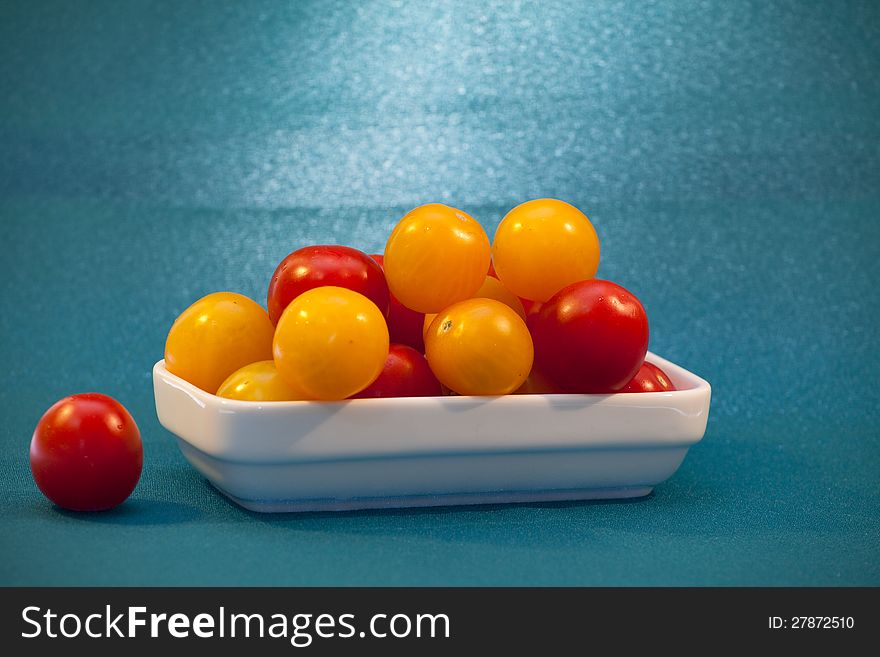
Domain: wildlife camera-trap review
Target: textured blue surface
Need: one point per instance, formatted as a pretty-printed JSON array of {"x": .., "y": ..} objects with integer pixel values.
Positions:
[{"x": 727, "y": 153}]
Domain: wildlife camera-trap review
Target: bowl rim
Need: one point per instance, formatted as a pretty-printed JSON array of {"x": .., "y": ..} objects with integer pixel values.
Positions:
[{"x": 696, "y": 386}]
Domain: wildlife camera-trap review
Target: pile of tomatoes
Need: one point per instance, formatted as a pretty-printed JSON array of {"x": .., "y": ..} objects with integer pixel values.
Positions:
[{"x": 443, "y": 311}]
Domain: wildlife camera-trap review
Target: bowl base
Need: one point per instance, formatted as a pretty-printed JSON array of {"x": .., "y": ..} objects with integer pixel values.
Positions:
[{"x": 452, "y": 499}]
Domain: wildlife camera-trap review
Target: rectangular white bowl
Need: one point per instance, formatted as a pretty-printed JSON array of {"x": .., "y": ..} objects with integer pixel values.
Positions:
[{"x": 432, "y": 451}]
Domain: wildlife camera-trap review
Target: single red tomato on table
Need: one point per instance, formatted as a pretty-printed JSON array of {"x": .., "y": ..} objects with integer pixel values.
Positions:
[
  {"x": 86, "y": 453},
  {"x": 404, "y": 324},
  {"x": 406, "y": 374},
  {"x": 590, "y": 337},
  {"x": 649, "y": 378},
  {"x": 317, "y": 266}
]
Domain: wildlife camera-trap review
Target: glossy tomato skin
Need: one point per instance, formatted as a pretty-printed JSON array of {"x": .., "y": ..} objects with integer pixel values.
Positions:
[
  {"x": 543, "y": 245},
  {"x": 649, "y": 378},
  {"x": 215, "y": 336},
  {"x": 259, "y": 382},
  {"x": 315, "y": 266},
  {"x": 404, "y": 324},
  {"x": 479, "y": 347},
  {"x": 406, "y": 374},
  {"x": 330, "y": 343},
  {"x": 86, "y": 453},
  {"x": 492, "y": 288},
  {"x": 435, "y": 256},
  {"x": 590, "y": 337}
]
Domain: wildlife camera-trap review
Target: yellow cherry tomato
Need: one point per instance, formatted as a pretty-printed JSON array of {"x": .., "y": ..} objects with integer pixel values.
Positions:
[
  {"x": 258, "y": 382},
  {"x": 215, "y": 336},
  {"x": 330, "y": 343},
  {"x": 436, "y": 255},
  {"x": 479, "y": 347},
  {"x": 543, "y": 245},
  {"x": 491, "y": 288}
]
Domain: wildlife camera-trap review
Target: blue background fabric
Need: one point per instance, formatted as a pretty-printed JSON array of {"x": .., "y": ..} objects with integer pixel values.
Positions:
[{"x": 727, "y": 153}]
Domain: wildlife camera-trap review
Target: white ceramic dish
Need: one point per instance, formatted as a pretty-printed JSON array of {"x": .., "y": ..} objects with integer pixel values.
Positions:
[{"x": 431, "y": 451}]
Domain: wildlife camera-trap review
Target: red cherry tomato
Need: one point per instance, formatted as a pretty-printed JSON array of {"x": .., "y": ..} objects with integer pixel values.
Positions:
[
  {"x": 404, "y": 324},
  {"x": 316, "y": 266},
  {"x": 590, "y": 337},
  {"x": 649, "y": 378},
  {"x": 406, "y": 374},
  {"x": 86, "y": 453}
]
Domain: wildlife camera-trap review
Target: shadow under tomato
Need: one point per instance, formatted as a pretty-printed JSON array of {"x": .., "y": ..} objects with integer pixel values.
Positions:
[{"x": 136, "y": 512}]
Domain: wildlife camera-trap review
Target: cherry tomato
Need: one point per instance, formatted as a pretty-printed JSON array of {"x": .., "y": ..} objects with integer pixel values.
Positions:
[
  {"x": 479, "y": 347},
  {"x": 590, "y": 337},
  {"x": 215, "y": 336},
  {"x": 406, "y": 374},
  {"x": 436, "y": 256},
  {"x": 491, "y": 288},
  {"x": 404, "y": 324},
  {"x": 543, "y": 245},
  {"x": 258, "y": 381},
  {"x": 330, "y": 343},
  {"x": 86, "y": 453},
  {"x": 316, "y": 266},
  {"x": 649, "y": 378}
]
